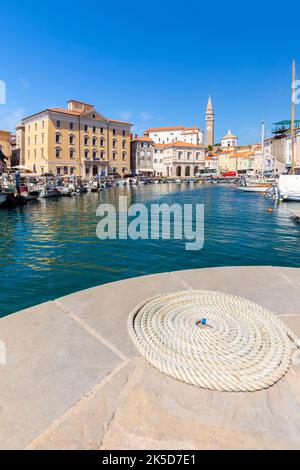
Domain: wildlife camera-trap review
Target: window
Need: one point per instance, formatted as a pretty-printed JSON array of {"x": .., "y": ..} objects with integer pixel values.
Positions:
[
  {"x": 114, "y": 143},
  {"x": 42, "y": 138},
  {"x": 102, "y": 155},
  {"x": 57, "y": 153},
  {"x": 87, "y": 171},
  {"x": 114, "y": 131},
  {"x": 71, "y": 153},
  {"x": 101, "y": 130},
  {"x": 72, "y": 169},
  {"x": 57, "y": 138},
  {"x": 94, "y": 129},
  {"x": 43, "y": 124},
  {"x": 35, "y": 140},
  {"x": 71, "y": 139},
  {"x": 42, "y": 153},
  {"x": 71, "y": 126},
  {"x": 28, "y": 141},
  {"x": 65, "y": 170},
  {"x": 123, "y": 156},
  {"x": 58, "y": 170},
  {"x": 28, "y": 128},
  {"x": 124, "y": 133},
  {"x": 155, "y": 160},
  {"x": 114, "y": 156},
  {"x": 86, "y": 127},
  {"x": 57, "y": 124},
  {"x": 86, "y": 154},
  {"x": 94, "y": 155},
  {"x": 35, "y": 126},
  {"x": 86, "y": 141},
  {"x": 94, "y": 141},
  {"x": 42, "y": 169},
  {"x": 101, "y": 142},
  {"x": 124, "y": 144},
  {"x": 34, "y": 153}
]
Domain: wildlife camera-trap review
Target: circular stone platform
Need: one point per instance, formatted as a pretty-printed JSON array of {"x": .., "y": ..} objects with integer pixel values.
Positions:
[{"x": 74, "y": 380}]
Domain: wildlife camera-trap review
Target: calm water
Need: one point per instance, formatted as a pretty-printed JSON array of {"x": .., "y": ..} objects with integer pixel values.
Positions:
[{"x": 49, "y": 248}]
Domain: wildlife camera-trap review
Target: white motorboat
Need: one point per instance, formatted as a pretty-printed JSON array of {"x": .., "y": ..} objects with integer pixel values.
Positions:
[
  {"x": 289, "y": 188},
  {"x": 49, "y": 190},
  {"x": 255, "y": 189}
]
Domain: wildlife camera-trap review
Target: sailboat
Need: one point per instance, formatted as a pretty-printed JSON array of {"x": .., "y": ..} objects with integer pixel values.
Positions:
[
  {"x": 260, "y": 185},
  {"x": 289, "y": 185}
]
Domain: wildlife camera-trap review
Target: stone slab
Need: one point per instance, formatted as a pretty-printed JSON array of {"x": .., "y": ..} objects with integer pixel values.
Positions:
[
  {"x": 263, "y": 285},
  {"x": 106, "y": 308},
  {"x": 51, "y": 363}
]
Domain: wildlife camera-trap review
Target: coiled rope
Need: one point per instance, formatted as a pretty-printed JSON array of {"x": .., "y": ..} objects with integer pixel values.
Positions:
[{"x": 212, "y": 340}]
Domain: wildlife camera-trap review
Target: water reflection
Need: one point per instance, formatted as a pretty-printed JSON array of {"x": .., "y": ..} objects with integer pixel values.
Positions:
[{"x": 49, "y": 248}]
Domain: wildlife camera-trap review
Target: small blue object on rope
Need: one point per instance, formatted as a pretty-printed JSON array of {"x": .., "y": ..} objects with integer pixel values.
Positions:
[{"x": 203, "y": 321}]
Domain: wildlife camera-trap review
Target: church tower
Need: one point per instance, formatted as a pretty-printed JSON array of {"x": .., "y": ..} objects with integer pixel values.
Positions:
[{"x": 209, "y": 123}]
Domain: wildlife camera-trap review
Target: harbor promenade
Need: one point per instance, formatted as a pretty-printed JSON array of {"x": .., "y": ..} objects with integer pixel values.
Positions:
[{"x": 74, "y": 380}]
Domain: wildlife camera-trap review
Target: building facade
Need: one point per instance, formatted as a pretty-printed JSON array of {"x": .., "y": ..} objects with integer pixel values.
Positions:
[
  {"x": 76, "y": 140},
  {"x": 142, "y": 151},
  {"x": 278, "y": 148},
  {"x": 209, "y": 124},
  {"x": 229, "y": 140},
  {"x": 178, "y": 159},
  {"x": 5, "y": 144},
  {"x": 167, "y": 135}
]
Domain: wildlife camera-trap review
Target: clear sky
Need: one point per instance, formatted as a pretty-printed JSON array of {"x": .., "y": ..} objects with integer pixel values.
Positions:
[{"x": 152, "y": 63}]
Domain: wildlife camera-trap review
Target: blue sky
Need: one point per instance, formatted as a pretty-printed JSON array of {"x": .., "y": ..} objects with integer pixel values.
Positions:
[{"x": 152, "y": 63}]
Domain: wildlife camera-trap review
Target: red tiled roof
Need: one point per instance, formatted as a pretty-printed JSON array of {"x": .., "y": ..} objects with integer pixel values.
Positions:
[
  {"x": 66, "y": 111},
  {"x": 179, "y": 144},
  {"x": 170, "y": 128},
  {"x": 144, "y": 138}
]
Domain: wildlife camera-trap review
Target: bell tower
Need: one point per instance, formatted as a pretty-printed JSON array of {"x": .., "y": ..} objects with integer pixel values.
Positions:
[{"x": 209, "y": 123}]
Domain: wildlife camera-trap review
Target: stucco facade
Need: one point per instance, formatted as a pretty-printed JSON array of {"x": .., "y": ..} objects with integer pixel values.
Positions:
[{"x": 77, "y": 140}]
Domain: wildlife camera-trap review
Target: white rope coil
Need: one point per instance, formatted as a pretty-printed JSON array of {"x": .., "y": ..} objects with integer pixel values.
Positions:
[{"x": 242, "y": 347}]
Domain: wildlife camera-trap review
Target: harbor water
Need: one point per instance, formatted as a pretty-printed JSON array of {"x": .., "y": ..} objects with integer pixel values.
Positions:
[{"x": 49, "y": 248}]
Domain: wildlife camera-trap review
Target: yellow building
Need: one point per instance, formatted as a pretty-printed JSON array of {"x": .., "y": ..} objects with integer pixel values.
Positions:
[
  {"x": 5, "y": 144},
  {"x": 240, "y": 160},
  {"x": 77, "y": 140}
]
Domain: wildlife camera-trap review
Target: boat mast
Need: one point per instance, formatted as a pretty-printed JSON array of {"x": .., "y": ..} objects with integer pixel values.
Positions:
[
  {"x": 293, "y": 118},
  {"x": 262, "y": 149}
]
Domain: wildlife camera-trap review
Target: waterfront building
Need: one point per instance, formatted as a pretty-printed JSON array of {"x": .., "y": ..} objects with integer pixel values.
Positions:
[
  {"x": 229, "y": 140},
  {"x": 141, "y": 154},
  {"x": 77, "y": 140},
  {"x": 167, "y": 135},
  {"x": 5, "y": 144},
  {"x": 209, "y": 124},
  {"x": 278, "y": 147},
  {"x": 178, "y": 159}
]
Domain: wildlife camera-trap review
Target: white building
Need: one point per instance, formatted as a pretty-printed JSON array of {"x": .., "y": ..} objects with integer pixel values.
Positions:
[
  {"x": 166, "y": 135},
  {"x": 229, "y": 140},
  {"x": 178, "y": 159}
]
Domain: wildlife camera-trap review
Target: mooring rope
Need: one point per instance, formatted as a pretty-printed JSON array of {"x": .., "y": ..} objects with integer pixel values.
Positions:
[{"x": 212, "y": 340}]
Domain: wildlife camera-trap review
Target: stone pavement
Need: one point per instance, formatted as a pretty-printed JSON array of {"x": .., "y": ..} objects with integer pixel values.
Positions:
[{"x": 73, "y": 380}]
